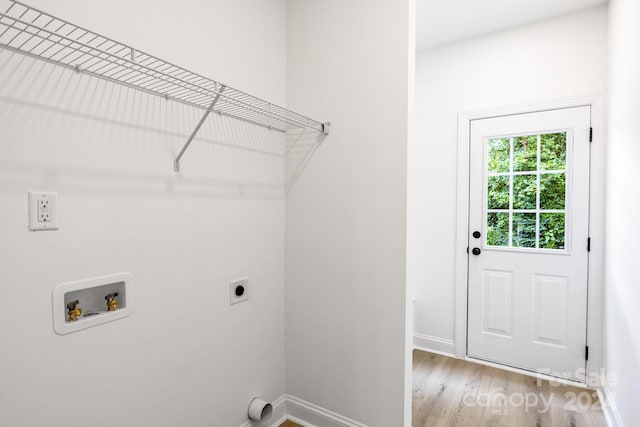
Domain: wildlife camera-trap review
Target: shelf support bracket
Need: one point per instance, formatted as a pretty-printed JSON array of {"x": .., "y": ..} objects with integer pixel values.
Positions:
[{"x": 176, "y": 162}]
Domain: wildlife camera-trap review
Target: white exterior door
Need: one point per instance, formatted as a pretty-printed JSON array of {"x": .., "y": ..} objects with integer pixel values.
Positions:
[{"x": 528, "y": 238}]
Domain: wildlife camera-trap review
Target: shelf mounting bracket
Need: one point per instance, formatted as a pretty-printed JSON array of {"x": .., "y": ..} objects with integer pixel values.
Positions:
[{"x": 176, "y": 162}]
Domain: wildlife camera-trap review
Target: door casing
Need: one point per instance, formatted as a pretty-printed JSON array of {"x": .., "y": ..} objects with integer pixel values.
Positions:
[{"x": 595, "y": 304}]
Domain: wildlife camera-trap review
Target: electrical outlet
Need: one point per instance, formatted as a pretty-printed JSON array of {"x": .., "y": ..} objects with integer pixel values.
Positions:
[
  {"x": 44, "y": 210},
  {"x": 238, "y": 290},
  {"x": 43, "y": 213}
]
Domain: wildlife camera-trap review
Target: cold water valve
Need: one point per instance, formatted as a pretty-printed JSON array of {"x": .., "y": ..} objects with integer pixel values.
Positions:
[
  {"x": 73, "y": 311},
  {"x": 112, "y": 302}
]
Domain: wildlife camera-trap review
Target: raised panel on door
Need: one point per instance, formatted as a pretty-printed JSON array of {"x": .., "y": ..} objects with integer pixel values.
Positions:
[
  {"x": 497, "y": 304},
  {"x": 550, "y": 317}
]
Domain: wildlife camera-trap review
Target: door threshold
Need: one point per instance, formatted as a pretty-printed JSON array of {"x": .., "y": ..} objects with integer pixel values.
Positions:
[{"x": 538, "y": 375}]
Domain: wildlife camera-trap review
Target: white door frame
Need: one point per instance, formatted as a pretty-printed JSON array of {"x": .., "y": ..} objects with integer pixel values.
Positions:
[{"x": 596, "y": 217}]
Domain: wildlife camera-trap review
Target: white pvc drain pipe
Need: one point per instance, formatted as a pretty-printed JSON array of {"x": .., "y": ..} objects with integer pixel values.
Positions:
[{"x": 260, "y": 409}]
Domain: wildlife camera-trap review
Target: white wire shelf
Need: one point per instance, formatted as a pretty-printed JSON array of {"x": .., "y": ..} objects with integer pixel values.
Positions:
[{"x": 35, "y": 33}]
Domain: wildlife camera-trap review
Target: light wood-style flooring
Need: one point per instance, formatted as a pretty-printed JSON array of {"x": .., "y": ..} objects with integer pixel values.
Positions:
[{"x": 451, "y": 392}]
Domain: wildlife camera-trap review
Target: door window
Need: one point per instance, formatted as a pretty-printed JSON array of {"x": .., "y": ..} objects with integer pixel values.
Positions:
[{"x": 526, "y": 191}]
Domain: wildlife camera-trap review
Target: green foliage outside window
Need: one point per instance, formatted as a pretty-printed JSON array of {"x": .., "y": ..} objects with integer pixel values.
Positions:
[
  {"x": 498, "y": 192},
  {"x": 552, "y": 230},
  {"x": 524, "y": 191},
  {"x": 524, "y": 230},
  {"x": 498, "y": 228},
  {"x": 525, "y": 153},
  {"x": 499, "y": 150},
  {"x": 551, "y": 191},
  {"x": 553, "y": 151}
]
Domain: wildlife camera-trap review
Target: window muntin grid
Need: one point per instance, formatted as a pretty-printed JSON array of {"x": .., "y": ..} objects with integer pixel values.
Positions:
[{"x": 526, "y": 191}]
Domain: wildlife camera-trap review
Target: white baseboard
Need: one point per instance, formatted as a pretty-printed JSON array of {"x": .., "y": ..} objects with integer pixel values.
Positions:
[
  {"x": 310, "y": 415},
  {"x": 609, "y": 407},
  {"x": 288, "y": 407},
  {"x": 434, "y": 344}
]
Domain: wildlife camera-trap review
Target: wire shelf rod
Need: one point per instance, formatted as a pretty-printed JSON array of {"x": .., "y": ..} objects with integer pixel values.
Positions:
[{"x": 176, "y": 163}]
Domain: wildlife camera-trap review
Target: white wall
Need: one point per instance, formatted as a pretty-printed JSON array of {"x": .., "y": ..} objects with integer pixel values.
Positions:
[
  {"x": 552, "y": 59},
  {"x": 623, "y": 204},
  {"x": 346, "y": 213},
  {"x": 185, "y": 357}
]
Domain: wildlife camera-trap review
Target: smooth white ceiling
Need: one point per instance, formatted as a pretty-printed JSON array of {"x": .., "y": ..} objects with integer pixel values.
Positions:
[{"x": 445, "y": 21}]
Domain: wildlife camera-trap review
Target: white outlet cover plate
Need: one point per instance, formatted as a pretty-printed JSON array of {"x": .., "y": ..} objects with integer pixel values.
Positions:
[
  {"x": 35, "y": 223},
  {"x": 233, "y": 298}
]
